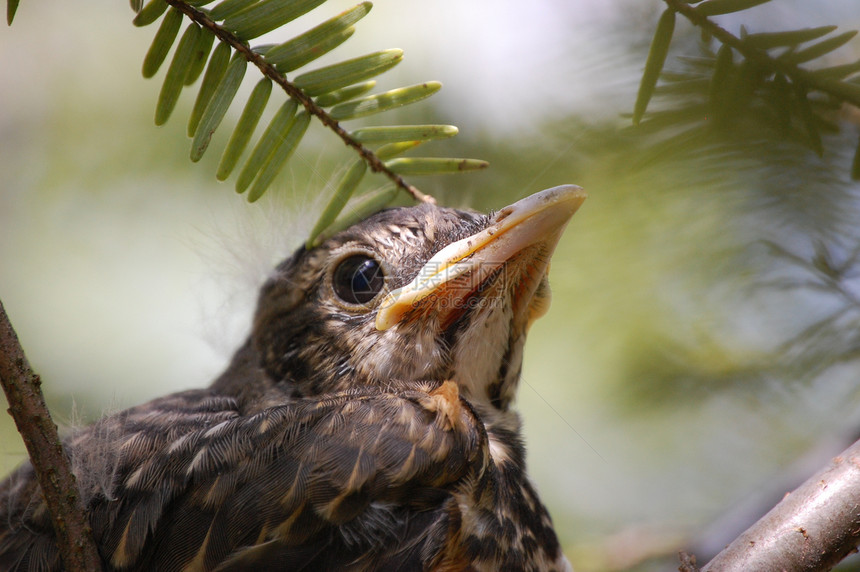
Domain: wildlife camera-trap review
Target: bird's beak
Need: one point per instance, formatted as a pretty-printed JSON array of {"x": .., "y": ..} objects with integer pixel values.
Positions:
[{"x": 457, "y": 271}]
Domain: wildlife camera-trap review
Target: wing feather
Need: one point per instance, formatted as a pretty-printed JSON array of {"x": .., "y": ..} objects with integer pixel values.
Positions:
[{"x": 196, "y": 485}]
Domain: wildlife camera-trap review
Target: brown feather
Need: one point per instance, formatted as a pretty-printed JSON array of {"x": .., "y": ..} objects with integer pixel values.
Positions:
[{"x": 327, "y": 444}]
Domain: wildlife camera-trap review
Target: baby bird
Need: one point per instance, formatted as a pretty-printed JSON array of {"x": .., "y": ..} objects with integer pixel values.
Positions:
[{"x": 366, "y": 424}]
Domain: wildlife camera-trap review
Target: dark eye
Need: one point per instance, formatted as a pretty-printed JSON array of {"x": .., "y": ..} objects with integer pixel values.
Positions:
[{"x": 358, "y": 279}]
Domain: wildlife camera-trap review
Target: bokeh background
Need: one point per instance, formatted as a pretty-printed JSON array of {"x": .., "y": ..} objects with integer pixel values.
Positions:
[{"x": 700, "y": 357}]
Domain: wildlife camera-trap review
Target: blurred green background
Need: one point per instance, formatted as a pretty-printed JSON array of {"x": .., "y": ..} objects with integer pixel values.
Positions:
[{"x": 700, "y": 357}]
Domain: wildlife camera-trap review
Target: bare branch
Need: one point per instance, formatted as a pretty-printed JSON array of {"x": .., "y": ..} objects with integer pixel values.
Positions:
[
  {"x": 811, "y": 529},
  {"x": 27, "y": 407}
]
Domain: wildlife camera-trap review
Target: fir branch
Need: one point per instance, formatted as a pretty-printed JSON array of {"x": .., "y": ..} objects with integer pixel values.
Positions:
[
  {"x": 59, "y": 489},
  {"x": 758, "y": 56},
  {"x": 269, "y": 71}
]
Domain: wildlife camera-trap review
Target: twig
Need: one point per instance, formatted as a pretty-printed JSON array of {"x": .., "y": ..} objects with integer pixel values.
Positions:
[
  {"x": 59, "y": 489},
  {"x": 268, "y": 70},
  {"x": 811, "y": 529},
  {"x": 688, "y": 562}
]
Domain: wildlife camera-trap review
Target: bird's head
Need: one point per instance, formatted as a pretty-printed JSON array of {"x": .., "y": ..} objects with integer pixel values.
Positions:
[{"x": 412, "y": 294}]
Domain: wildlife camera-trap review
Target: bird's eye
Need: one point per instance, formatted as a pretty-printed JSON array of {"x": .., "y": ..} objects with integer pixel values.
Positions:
[{"x": 358, "y": 279}]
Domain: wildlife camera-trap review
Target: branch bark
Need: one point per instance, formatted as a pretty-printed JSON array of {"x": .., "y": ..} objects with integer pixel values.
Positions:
[
  {"x": 811, "y": 529},
  {"x": 27, "y": 407}
]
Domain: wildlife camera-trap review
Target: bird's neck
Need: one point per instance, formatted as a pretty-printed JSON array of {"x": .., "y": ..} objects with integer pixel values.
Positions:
[{"x": 504, "y": 433}]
